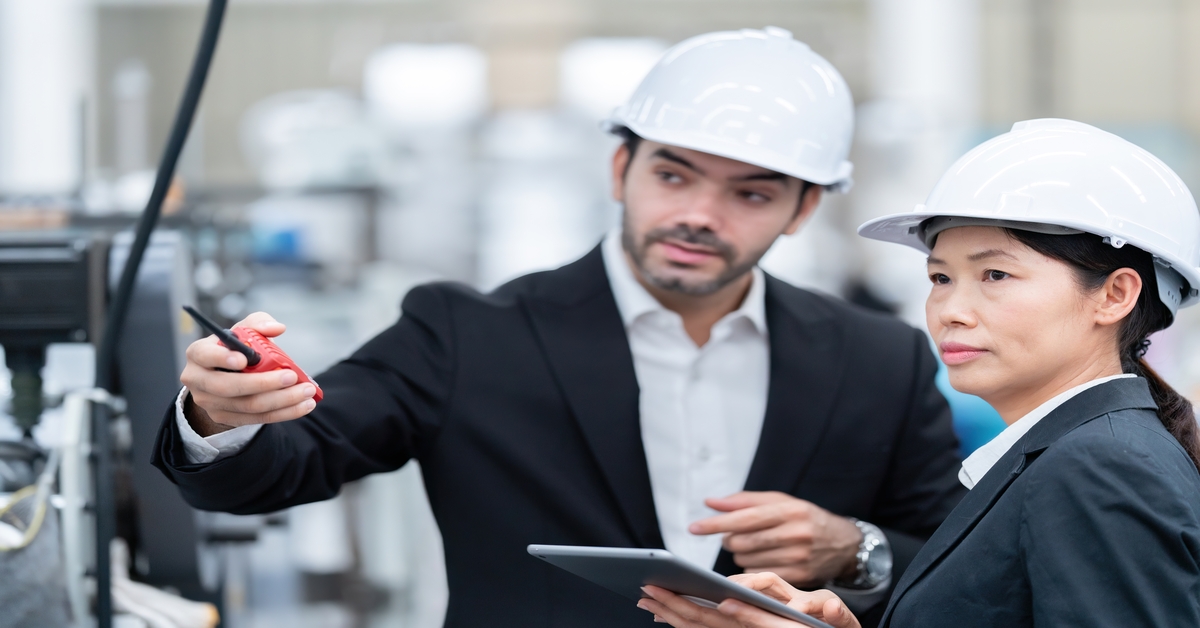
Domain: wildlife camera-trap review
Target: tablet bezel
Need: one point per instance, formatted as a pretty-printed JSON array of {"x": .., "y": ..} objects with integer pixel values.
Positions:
[{"x": 626, "y": 570}]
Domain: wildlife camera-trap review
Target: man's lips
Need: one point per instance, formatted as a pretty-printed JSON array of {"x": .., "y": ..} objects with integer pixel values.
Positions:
[
  {"x": 954, "y": 353},
  {"x": 682, "y": 253}
]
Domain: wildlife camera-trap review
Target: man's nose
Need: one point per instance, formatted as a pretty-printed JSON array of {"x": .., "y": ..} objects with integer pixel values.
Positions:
[{"x": 703, "y": 210}]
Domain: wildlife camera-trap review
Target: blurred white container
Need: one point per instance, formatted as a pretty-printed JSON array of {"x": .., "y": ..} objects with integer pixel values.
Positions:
[
  {"x": 598, "y": 74},
  {"x": 312, "y": 139},
  {"x": 420, "y": 85}
]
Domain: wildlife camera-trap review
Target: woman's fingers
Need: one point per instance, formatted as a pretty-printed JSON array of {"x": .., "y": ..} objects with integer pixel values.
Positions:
[
  {"x": 768, "y": 584},
  {"x": 680, "y": 612}
]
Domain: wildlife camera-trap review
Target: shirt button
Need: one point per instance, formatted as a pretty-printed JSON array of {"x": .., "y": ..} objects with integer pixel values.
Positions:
[{"x": 704, "y": 454}]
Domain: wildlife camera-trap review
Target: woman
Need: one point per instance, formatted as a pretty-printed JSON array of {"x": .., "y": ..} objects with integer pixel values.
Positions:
[{"x": 1055, "y": 251}]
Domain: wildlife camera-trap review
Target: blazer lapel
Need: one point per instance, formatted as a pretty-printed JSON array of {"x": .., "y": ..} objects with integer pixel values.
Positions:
[
  {"x": 576, "y": 319},
  {"x": 807, "y": 366},
  {"x": 1092, "y": 403}
]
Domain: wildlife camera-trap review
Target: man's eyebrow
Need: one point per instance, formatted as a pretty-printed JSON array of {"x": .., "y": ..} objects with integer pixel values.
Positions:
[
  {"x": 765, "y": 176},
  {"x": 663, "y": 153}
]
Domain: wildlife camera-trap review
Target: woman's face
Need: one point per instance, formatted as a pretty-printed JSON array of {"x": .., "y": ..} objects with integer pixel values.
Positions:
[{"x": 1009, "y": 322}]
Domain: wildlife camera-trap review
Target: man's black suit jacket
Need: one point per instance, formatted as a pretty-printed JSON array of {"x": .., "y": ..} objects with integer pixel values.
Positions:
[
  {"x": 522, "y": 408},
  {"x": 1091, "y": 519}
]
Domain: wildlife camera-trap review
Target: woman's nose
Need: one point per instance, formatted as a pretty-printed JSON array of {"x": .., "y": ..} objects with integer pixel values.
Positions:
[{"x": 954, "y": 308}]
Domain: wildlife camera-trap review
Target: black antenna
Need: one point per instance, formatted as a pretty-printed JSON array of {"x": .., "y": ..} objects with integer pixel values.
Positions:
[{"x": 226, "y": 338}]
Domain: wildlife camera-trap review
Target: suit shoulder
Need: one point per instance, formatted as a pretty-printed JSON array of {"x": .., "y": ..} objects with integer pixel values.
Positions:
[{"x": 1126, "y": 448}]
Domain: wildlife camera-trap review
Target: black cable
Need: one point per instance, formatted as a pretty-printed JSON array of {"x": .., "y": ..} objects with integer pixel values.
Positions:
[{"x": 119, "y": 305}]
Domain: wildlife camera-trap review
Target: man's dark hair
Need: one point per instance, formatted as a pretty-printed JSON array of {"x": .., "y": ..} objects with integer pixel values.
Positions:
[{"x": 631, "y": 141}]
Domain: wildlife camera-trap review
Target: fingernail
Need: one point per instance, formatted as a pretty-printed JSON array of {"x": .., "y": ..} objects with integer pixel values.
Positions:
[
  {"x": 287, "y": 377},
  {"x": 231, "y": 361},
  {"x": 646, "y": 591},
  {"x": 642, "y": 605},
  {"x": 309, "y": 390},
  {"x": 309, "y": 405}
]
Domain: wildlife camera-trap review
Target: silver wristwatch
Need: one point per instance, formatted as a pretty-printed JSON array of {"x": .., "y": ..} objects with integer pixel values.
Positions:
[{"x": 874, "y": 558}]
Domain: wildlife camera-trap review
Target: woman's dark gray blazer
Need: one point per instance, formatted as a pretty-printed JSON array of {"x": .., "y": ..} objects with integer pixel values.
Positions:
[{"x": 1091, "y": 519}]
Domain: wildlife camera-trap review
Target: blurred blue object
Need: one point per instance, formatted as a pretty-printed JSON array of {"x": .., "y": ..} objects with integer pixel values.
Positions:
[
  {"x": 277, "y": 246},
  {"x": 975, "y": 421}
]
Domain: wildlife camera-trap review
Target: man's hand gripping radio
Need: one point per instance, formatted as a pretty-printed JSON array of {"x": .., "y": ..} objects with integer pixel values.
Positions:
[{"x": 261, "y": 354}]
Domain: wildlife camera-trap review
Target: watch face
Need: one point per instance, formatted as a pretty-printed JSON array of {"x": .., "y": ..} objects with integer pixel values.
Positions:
[{"x": 879, "y": 564}]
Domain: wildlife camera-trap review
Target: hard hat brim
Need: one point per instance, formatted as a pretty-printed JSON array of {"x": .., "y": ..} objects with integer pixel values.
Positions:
[
  {"x": 905, "y": 229},
  {"x": 839, "y": 181}
]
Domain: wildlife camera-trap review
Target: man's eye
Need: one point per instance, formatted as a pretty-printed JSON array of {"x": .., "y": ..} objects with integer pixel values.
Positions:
[
  {"x": 995, "y": 275},
  {"x": 755, "y": 197},
  {"x": 669, "y": 177},
  {"x": 939, "y": 278}
]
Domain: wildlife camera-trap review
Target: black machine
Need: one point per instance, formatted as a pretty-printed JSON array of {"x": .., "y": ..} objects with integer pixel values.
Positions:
[{"x": 83, "y": 286}]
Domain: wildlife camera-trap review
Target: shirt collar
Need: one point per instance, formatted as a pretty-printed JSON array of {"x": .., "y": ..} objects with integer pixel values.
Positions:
[
  {"x": 634, "y": 301},
  {"x": 983, "y": 459}
]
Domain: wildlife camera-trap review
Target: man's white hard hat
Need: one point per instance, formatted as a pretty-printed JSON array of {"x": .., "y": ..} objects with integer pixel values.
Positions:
[
  {"x": 756, "y": 96},
  {"x": 1062, "y": 176}
]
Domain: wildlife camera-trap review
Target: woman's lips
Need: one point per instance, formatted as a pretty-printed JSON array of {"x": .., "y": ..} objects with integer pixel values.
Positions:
[
  {"x": 682, "y": 254},
  {"x": 954, "y": 353}
]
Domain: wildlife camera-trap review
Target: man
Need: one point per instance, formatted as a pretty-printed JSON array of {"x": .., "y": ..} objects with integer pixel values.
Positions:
[{"x": 628, "y": 398}]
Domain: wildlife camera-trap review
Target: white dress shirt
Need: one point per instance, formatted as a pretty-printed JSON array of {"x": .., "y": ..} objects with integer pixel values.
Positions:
[
  {"x": 983, "y": 459},
  {"x": 701, "y": 408}
]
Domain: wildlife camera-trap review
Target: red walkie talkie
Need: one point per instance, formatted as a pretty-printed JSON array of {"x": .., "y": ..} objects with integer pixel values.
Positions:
[{"x": 261, "y": 354}]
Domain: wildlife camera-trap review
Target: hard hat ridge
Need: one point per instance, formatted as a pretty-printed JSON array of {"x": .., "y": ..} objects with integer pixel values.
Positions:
[
  {"x": 1063, "y": 174},
  {"x": 756, "y": 96}
]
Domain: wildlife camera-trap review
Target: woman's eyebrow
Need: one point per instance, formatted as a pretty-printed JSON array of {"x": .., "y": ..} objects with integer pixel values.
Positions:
[{"x": 989, "y": 254}]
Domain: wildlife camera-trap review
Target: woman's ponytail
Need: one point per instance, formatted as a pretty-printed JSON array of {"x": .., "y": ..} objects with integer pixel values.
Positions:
[{"x": 1174, "y": 410}]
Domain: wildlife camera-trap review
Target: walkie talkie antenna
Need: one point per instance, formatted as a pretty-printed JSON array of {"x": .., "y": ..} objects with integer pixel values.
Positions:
[{"x": 226, "y": 338}]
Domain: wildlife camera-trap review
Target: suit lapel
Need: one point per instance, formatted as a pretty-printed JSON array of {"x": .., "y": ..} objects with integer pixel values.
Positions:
[
  {"x": 807, "y": 364},
  {"x": 1092, "y": 403},
  {"x": 576, "y": 319}
]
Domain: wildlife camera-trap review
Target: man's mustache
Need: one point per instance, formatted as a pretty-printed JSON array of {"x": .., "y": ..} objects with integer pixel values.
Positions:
[{"x": 699, "y": 237}]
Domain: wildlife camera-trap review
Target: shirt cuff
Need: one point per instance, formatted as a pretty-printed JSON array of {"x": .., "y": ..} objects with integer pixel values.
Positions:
[{"x": 203, "y": 450}]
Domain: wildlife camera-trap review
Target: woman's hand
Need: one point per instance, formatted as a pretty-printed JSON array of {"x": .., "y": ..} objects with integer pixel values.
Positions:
[{"x": 683, "y": 613}]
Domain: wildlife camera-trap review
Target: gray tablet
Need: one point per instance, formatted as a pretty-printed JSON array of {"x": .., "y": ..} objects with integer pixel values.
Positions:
[{"x": 625, "y": 571}]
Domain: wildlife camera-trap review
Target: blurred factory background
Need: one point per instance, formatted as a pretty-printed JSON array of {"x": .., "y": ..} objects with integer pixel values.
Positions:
[{"x": 346, "y": 150}]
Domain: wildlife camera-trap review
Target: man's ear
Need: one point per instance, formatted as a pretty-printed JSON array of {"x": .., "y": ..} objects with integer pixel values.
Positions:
[
  {"x": 1118, "y": 296},
  {"x": 620, "y": 162},
  {"x": 808, "y": 204}
]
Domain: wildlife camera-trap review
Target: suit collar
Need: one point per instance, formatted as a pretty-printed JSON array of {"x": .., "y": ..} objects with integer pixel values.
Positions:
[
  {"x": 574, "y": 314},
  {"x": 807, "y": 371},
  {"x": 1118, "y": 394},
  {"x": 575, "y": 318}
]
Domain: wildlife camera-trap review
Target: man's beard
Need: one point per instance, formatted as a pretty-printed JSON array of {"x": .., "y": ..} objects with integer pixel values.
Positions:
[{"x": 683, "y": 233}]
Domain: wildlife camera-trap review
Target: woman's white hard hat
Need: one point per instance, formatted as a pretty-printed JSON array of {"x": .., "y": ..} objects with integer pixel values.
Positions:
[
  {"x": 756, "y": 96},
  {"x": 1062, "y": 176}
]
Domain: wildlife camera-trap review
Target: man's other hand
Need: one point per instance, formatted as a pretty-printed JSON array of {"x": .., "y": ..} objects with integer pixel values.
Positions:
[
  {"x": 772, "y": 531},
  {"x": 222, "y": 400}
]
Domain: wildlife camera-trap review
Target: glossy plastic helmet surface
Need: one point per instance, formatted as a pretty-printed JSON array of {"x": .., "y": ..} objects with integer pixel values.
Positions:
[
  {"x": 757, "y": 96},
  {"x": 1062, "y": 176}
]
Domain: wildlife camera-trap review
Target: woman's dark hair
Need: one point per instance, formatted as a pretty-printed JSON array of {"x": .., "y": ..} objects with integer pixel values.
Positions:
[{"x": 1093, "y": 261}]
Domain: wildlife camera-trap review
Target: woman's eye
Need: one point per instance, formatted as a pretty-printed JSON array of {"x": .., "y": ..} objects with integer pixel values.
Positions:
[
  {"x": 939, "y": 278},
  {"x": 995, "y": 275}
]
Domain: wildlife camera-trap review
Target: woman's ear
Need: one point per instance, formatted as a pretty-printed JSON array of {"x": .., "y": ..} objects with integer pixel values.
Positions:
[{"x": 1118, "y": 296}]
